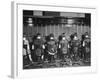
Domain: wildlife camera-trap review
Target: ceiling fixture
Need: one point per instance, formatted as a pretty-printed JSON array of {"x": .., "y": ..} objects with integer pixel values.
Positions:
[{"x": 30, "y": 22}]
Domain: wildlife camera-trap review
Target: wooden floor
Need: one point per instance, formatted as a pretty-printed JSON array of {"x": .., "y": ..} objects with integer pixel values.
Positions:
[{"x": 57, "y": 64}]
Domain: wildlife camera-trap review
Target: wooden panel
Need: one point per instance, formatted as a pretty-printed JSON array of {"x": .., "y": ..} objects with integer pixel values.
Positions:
[
  {"x": 37, "y": 13},
  {"x": 49, "y": 13},
  {"x": 71, "y": 14},
  {"x": 56, "y": 30},
  {"x": 28, "y": 12}
]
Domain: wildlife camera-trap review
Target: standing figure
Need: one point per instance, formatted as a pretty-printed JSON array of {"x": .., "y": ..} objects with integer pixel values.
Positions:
[
  {"x": 63, "y": 47},
  {"x": 74, "y": 46},
  {"x": 86, "y": 46},
  {"x": 26, "y": 52},
  {"x": 38, "y": 48},
  {"x": 51, "y": 48}
]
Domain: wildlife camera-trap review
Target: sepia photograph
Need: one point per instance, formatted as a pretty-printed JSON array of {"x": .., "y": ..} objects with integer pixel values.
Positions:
[{"x": 56, "y": 39}]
